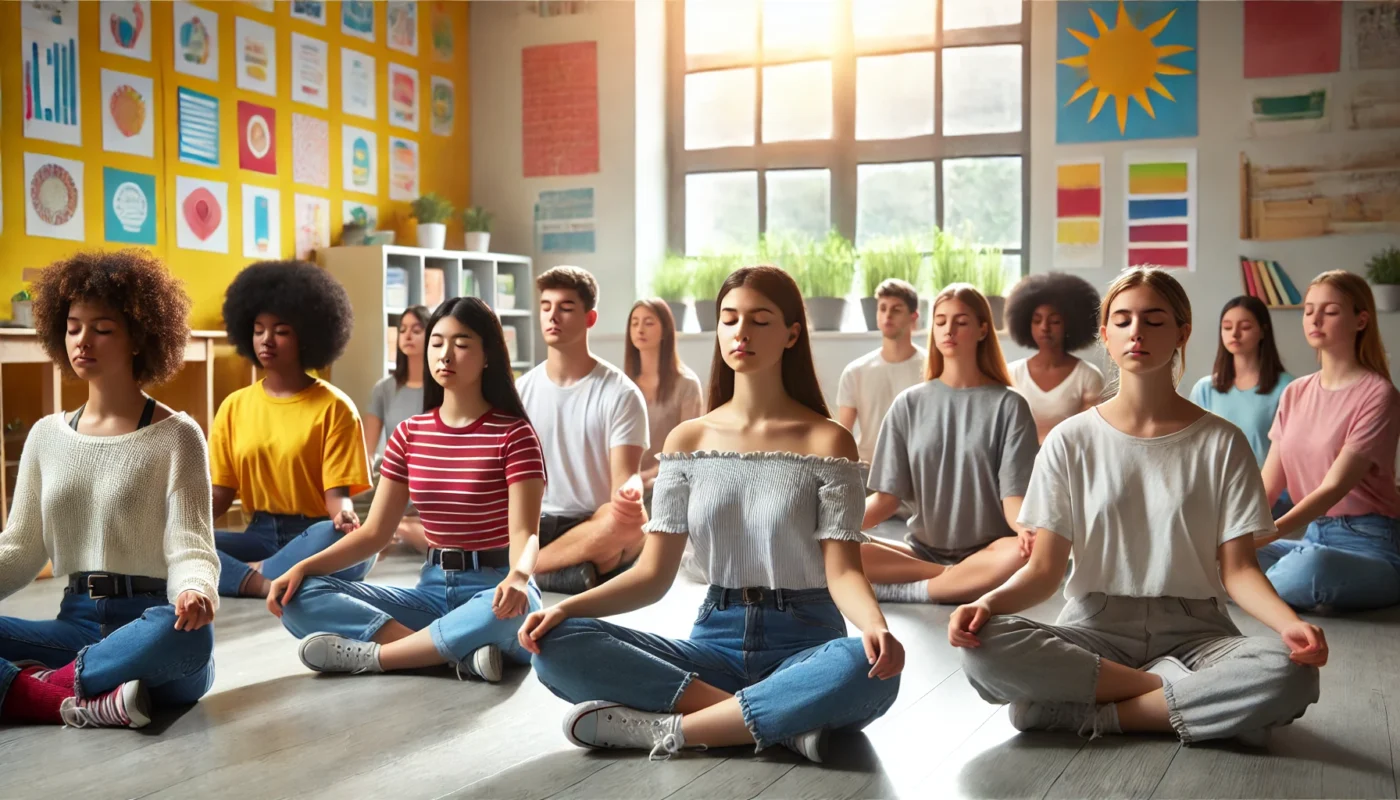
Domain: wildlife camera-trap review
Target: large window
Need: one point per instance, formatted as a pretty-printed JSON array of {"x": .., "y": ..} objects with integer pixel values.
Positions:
[{"x": 878, "y": 118}]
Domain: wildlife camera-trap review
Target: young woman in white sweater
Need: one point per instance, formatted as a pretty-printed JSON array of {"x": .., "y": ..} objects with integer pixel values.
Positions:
[{"x": 116, "y": 494}]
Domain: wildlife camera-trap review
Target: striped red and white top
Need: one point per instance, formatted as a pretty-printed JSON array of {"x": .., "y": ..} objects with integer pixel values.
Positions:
[{"x": 458, "y": 478}]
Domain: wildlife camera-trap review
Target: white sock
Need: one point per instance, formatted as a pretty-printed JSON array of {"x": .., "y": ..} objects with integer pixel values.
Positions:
[
  {"x": 916, "y": 592},
  {"x": 377, "y": 667}
]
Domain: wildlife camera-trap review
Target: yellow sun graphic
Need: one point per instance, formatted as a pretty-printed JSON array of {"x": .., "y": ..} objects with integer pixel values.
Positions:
[{"x": 1123, "y": 62}]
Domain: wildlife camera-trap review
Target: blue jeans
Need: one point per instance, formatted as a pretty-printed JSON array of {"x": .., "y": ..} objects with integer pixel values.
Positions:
[
  {"x": 454, "y": 606},
  {"x": 279, "y": 541},
  {"x": 790, "y": 664},
  {"x": 114, "y": 640},
  {"x": 1343, "y": 563}
]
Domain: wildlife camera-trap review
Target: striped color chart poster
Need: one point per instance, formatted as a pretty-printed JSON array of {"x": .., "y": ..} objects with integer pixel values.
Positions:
[
  {"x": 1079, "y": 214},
  {"x": 1161, "y": 201}
]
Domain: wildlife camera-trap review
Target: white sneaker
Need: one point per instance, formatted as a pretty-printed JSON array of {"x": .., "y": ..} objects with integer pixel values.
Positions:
[
  {"x": 809, "y": 745},
  {"x": 126, "y": 706},
  {"x": 599, "y": 723},
  {"x": 329, "y": 652},
  {"x": 485, "y": 664},
  {"x": 1086, "y": 719},
  {"x": 1170, "y": 670}
]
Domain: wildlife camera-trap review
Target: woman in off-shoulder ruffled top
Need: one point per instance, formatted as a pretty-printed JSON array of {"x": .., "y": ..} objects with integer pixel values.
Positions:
[{"x": 768, "y": 490}]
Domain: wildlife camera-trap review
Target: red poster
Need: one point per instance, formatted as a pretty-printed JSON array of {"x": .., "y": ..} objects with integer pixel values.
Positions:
[
  {"x": 560, "y": 109},
  {"x": 1292, "y": 37},
  {"x": 257, "y": 138}
]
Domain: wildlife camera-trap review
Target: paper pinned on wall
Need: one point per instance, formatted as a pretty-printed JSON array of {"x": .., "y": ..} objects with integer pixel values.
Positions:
[
  {"x": 560, "y": 109},
  {"x": 1160, "y": 208},
  {"x": 401, "y": 32},
  {"x": 1291, "y": 37},
  {"x": 128, "y": 113},
  {"x": 1377, "y": 27},
  {"x": 313, "y": 224},
  {"x": 313, "y": 11},
  {"x": 1290, "y": 107},
  {"x": 54, "y": 191},
  {"x": 311, "y": 158},
  {"x": 360, "y": 155},
  {"x": 196, "y": 41},
  {"x": 256, "y": 56},
  {"x": 403, "y": 96},
  {"x": 51, "y": 96},
  {"x": 1079, "y": 204},
  {"x": 257, "y": 138},
  {"x": 403, "y": 169},
  {"x": 201, "y": 215},
  {"x": 198, "y": 127},
  {"x": 309, "y": 70},
  {"x": 129, "y": 206},
  {"x": 262, "y": 222},
  {"x": 125, "y": 28},
  {"x": 357, "y": 19},
  {"x": 565, "y": 221},
  {"x": 442, "y": 105},
  {"x": 357, "y": 83}
]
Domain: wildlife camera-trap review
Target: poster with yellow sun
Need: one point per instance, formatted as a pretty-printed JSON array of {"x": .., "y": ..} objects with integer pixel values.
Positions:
[{"x": 1125, "y": 70}]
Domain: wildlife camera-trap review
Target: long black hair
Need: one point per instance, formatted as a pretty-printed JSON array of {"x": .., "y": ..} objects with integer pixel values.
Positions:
[
  {"x": 497, "y": 380},
  {"x": 419, "y": 313},
  {"x": 1222, "y": 378}
]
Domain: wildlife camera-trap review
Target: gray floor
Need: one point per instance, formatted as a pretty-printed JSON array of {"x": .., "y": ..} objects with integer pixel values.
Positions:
[{"x": 271, "y": 729}]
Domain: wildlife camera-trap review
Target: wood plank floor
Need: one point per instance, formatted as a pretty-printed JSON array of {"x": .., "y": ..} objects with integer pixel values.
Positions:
[{"x": 270, "y": 729}]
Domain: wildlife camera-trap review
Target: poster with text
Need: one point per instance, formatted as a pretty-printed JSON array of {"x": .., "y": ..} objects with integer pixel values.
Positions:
[
  {"x": 357, "y": 83},
  {"x": 359, "y": 149},
  {"x": 262, "y": 222},
  {"x": 196, "y": 41},
  {"x": 198, "y": 127},
  {"x": 51, "y": 93},
  {"x": 59, "y": 16},
  {"x": 403, "y": 96},
  {"x": 55, "y": 197},
  {"x": 443, "y": 106},
  {"x": 403, "y": 169},
  {"x": 128, "y": 114},
  {"x": 560, "y": 109},
  {"x": 1079, "y": 213},
  {"x": 257, "y": 138},
  {"x": 1160, "y": 214},
  {"x": 358, "y": 213},
  {"x": 312, "y": 218},
  {"x": 129, "y": 207},
  {"x": 256, "y": 56},
  {"x": 313, "y": 11},
  {"x": 566, "y": 221},
  {"x": 125, "y": 28},
  {"x": 201, "y": 215},
  {"x": 357, "y": 19},
  {"x": 401, "y": 32},
  {"x": 311, "y": 156},
  {"x": 309, "y": 70}
]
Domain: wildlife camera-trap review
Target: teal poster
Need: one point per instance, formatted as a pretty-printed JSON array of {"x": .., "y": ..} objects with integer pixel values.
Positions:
[{"x": 129, "y": 206}]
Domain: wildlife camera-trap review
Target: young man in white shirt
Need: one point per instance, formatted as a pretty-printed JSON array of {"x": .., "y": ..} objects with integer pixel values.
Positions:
[
  {"x": 870, "y": 383},
  {"x": 591, "y": 421}
]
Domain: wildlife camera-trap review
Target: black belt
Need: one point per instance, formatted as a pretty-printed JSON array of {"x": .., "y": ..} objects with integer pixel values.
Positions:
[
  {"x": 764, "y": 596},
  {"x": 99, "y": 585},
  {"x": 453, "y": 560}
]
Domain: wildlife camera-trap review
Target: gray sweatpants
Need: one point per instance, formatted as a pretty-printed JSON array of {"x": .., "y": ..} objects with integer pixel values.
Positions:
[{"x": 1241, "y": 684}]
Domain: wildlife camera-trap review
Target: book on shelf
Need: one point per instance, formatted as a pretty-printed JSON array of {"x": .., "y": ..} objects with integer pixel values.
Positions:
[
  {"x": 391, "y": 344},
  {"x": 512, "y": 348},
  {"x": 434, "y": 287},
  {"x": 1268, "y": 281},
  {"x": 396, "y": 287},
  {"x": 505, "y": 290},
  {"x": 469, "y": 284}
]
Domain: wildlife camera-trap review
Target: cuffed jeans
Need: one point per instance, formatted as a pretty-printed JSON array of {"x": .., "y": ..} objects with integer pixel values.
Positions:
[
  {"x": 1241, "y": 684},
  {"x": 789, "y": 663},
  {"x": 1341, "y": 563},
  {"x": 279, "y": 541}
]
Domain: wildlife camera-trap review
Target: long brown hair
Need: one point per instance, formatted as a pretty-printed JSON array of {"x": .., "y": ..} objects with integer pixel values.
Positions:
[
  {"x": 990, "y": 361},
  {"x": 421, "y": 314},
  {"x": 669, "y": 361},
  {"x": 1369, "y": 351},
  {"x": 799, "y": 374},
  {"x": 1160, "y": 281},
  {"x": 1222, "y": 378}
]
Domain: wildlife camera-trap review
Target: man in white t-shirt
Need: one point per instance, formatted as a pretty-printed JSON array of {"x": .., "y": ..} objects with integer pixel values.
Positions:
[
  {"x": 870, "y": 383},
  {"x": 591, "y": 421}
]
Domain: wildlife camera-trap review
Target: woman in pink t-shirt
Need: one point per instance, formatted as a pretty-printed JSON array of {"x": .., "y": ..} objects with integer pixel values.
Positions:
[{"x": 1334, "y": 447}]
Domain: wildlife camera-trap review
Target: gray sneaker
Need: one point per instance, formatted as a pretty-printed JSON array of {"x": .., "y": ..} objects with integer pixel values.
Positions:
[
  {"x": 809, "y": 745},
  {"x": 569, "y": 580},
  {"x": 485, "y": 664},
  {"x": 328, "y": 652}
]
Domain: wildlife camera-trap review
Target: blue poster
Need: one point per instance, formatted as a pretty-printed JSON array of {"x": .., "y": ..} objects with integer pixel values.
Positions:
[
  {"x": 129, "y": 206},
  {"x": 565, "y": 221},
  {"x": 198, "y": 128},
  {"x": 1125, "y": 71}
]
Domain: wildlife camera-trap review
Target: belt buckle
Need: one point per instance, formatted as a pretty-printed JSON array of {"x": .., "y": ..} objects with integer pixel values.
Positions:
[
  {"x": 92, "y": 591},
  {"x": 454, "y": 560},
  {"x": 751, "y": 596}
]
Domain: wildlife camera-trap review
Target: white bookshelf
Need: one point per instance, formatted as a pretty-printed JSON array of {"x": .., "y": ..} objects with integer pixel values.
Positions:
[{"x": 365, "y": 272}]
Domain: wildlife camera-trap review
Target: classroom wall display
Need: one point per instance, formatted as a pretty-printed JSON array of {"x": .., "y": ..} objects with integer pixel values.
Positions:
[
  {"x": 257, "y": 138},
  {"x": 125, "y": 28},
  {"x": 357, "y": 84},
  {"x": 1290, "y": 107},
  {"x": 196, "y": 33},
  {"x": 359, "y": 154},
  {"x": 311, "y": 158},
  {"x": 403, "y": 96},
  {"x": 1291, "y": 37},
  {"x": 1079, "y": 213},
  {"x": 256, "y": 56},
  {"x": 313, "y": 11},
  {"x": 403, "y": 169},
  {"x": 129, "y": 207},
  {"x": 312, "y": 218},
  {"x": 559, "y": 109},
  {"x": 442, "y": 104},
  {"x": 128, "y": 113},
  {"x": 357, "y": 213},
  {"x": 309, "y": 70},
  {"x": 1374, "y": 105},
  {"x": 54, "y": 197},
  {"x": 61, "y": 14},
  {"x": 1160, "y": 208},
  {"x": 401, "y": 28},
  {"x": 262, "y": 222},
  {"x": 1125, "y": 71},
  {"x": 52, "y": 92},
  {"x": 1377, "y": 27},
  {"x": 357, "y": 19},
  {"x": 201, "y": 215},
  {"x": 198, "y": 127},
  {"x": 1303, "y": 197},
  {"x": 444, "y": 39}
]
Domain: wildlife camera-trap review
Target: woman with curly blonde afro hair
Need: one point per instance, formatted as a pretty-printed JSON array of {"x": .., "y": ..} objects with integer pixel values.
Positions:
[{"x": 117, "y": 495}]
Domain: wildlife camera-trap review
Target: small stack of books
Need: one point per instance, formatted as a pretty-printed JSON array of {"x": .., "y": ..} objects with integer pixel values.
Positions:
[{"x": 1267, "y": 281}]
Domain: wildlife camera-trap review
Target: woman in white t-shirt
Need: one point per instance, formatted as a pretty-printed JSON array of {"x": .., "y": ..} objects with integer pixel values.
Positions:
[
  {"x": 1158, "y": 503},
  {"x": 1054, "y": 313}
]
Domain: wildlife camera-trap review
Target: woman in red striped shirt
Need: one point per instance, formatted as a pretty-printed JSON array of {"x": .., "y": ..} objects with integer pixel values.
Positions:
[{"x": 472, "y": 466}]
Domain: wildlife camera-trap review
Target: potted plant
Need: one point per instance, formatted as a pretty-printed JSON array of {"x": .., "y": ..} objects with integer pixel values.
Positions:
[
  {"x": 990, "y": 279},
  {"x": 950, "y": 262},
  {"x": 706, "y": 277},
  {"x": 889, "y": 258},
  {"x": 671, "y": 282},
  {"x": 476, "y": 221},
  {"x": 824, "y": 271},
  {"x": 432, "y": 212},
  {"x": 22, "y": 308},
  {"x": 1383, "y": 273}
]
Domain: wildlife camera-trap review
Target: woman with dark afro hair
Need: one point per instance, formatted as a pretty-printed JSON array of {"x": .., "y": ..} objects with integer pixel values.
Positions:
[
  {"x": 291, "y": 445},
  {"x": 1054, "y": 313},
  {"x": 115, "y": 494}
]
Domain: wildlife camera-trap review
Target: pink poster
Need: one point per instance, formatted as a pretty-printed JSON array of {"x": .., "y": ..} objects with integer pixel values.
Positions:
[
  {"x": 560, "y": 113},
  {"x": 1291, "y": 37}
]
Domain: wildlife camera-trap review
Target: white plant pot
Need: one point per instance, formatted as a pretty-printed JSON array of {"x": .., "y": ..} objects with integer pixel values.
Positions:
[
  {"x": 22, "y": 312},
  {"x": 478, "y": 241},
  {"x": 1387, "y": 296},
  {"x": 432, "y": 235}
]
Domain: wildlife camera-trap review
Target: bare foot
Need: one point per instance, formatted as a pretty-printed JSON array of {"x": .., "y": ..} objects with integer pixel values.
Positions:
[{"x": 255, "y": 585}]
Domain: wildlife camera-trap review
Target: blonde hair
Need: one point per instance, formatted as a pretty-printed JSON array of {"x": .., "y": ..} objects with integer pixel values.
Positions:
[
  {"x": 990, "y": 361},
  {"x": 1369, "y": 351},
  {"x": 1160, "y": 281}
]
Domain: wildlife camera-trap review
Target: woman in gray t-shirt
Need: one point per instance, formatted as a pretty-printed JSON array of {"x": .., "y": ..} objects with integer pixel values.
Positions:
[
  {"x": 393, "y": 400},
  {"x": 959, "y": 447}
]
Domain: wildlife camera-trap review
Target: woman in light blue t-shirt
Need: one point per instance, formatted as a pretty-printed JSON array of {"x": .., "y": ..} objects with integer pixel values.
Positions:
[{"x": 1248, "y": 378}]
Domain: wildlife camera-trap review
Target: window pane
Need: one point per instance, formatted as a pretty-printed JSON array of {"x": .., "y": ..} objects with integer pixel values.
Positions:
[
  {"x": 721, "y": 211},
  {"x": 797, "y": 102},
  {"x": 894, "y": 200},
  {"x": 894, "y": 96},
  {"x": 982, "y": 90},
  {"x": 721, "y": 26},
  {"x": 874, "y": 20},
  {"x": 799, "y": 202},
  {"x": 982, "y": 197},
  {"x": 719, "y": 108},
  {"x": 980, "y": 13},
  {"x": 797, "y": 25}
]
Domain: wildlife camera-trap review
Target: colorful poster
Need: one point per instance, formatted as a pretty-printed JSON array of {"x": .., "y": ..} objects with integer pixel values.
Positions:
[
  {"x": 403, "y": 169},
  {"x": 55, "y": 197},
  {"x": 403, "y": 96},
  {"x": 51, "y": 96},
  {"x": 313, "y": 11},
  {"x": 560, "y": 109},
  {"x": 1291, "y": 37},
  {"x": 312, "y": 218},
  {"x": 257, "y": 138},
  {"x": 1079, "y": 213},
  {"x": 262, "y": 222},
  {"x": 566, "y": 221},
  {"x": 255, "y": 54},
  {"x": 128, "y": 114},
  {"x": 357, "y": 19},
  {"x": 443, "y": 106},
  {"x": 309, "y": 70},
  {"x": 56, "y": 16},
  {"x": 1289, "y": 107},
  {"x": 125, "y": 28},
  {"x": 198, "y": 128},
  {"x": 357, "y": 213},
  {"x": 444, "y": 39},
  {"x": 1160, "y": 213},
  {"x": 311, "y": 157},
  {"x": 359, "y": 152},
  {"x": 129, "y": 207},
  {"x": 196, "y": 41},
  {"x": 201, "y": 215},
  {"x": 357, "y": 83},
  {"x": 402, "y": 28},
  {"x": 1132, "y": 79},
  {"x": 1377, "y": 27}
]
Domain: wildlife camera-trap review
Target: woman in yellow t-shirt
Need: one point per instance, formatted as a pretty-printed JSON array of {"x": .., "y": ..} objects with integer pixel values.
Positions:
[{"x": 291, "y": 445}]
